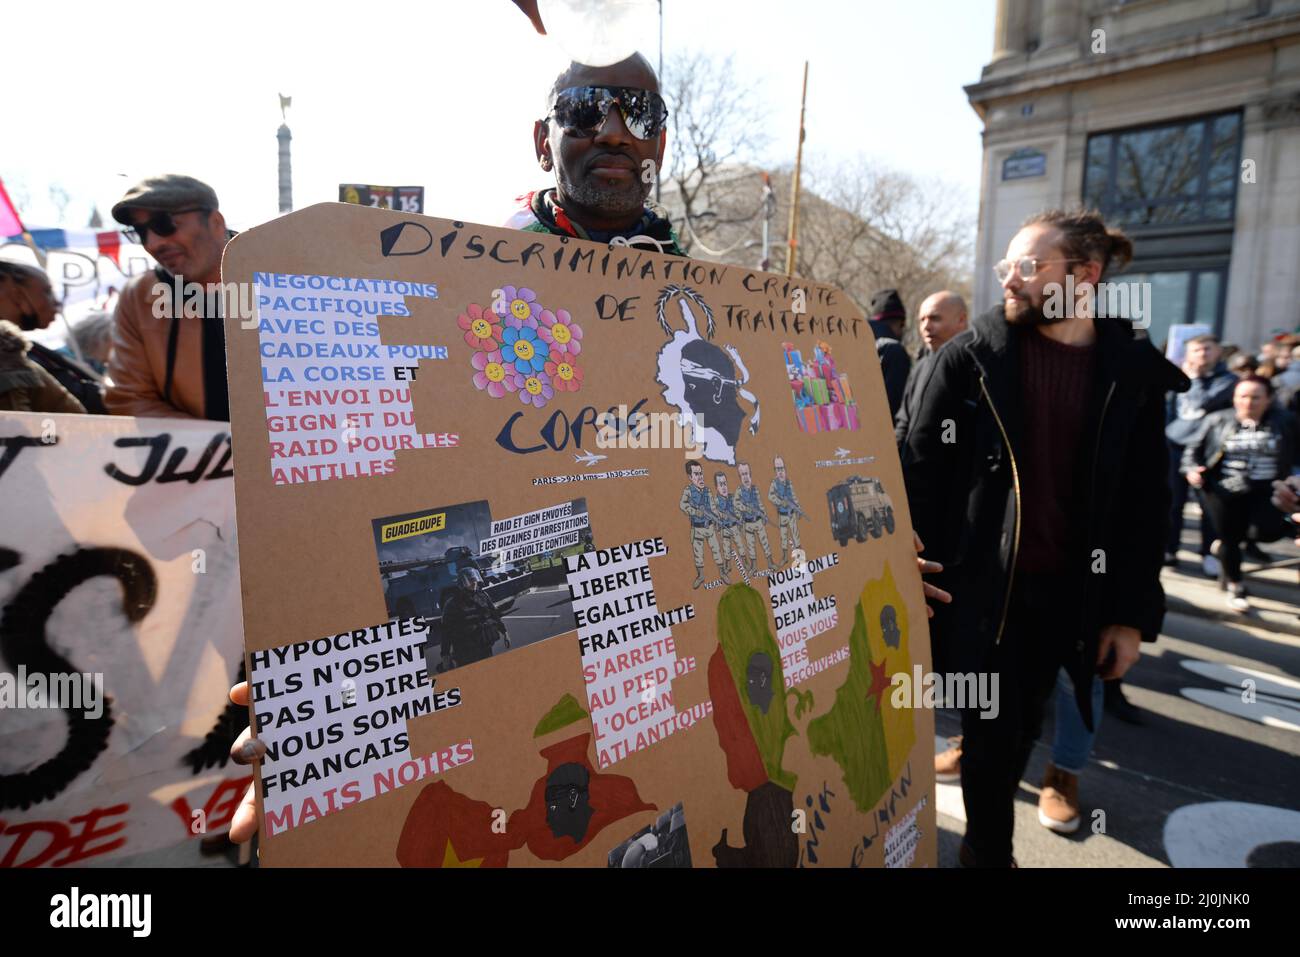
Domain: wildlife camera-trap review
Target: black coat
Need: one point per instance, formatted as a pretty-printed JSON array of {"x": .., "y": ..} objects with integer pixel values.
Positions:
[
  {"x": 916, "y": 380},
  {"x": 72, "y": 376},
  {"x": 959, "y": 461},
  {"x": 895, "y": 363}
]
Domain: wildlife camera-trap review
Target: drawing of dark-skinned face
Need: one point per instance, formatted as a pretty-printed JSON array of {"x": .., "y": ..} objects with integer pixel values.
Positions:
[
  {"x": 758, "y": 680},
  {"x": 710, "y": 380},
  {"x": 567, "y": 810},
  {"x": 889, "y": 626}
]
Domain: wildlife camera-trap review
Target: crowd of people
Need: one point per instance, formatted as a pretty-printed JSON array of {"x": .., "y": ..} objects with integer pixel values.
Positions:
[
  {"x": 1029, "y": 444},
  {"x": 132, "y": 363}
]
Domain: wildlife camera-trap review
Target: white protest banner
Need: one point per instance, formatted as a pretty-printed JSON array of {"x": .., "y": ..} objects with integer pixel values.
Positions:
[
  {"x": 120, "y": 636},
  {"x": 87, "y": 267}
]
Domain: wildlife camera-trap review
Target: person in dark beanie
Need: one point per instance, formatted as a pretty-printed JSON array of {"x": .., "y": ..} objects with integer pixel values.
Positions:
[
  {"x": 1037, "y": 474},
  {"x": 169, "y": 357},
  {"x": 888, "y": 317}
]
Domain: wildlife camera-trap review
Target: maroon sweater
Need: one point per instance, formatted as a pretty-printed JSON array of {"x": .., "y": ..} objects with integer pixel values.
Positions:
[{"x": 1056, "y": 385}]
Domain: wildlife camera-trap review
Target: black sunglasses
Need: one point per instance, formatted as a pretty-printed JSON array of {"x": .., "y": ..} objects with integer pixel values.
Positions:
[
  {"x": 160, "y": 223},
  {"x": 581, "y": 110}
]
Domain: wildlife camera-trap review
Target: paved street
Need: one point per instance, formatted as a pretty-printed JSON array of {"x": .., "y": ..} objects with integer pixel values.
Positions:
[{"x": 1163, "y": 786}]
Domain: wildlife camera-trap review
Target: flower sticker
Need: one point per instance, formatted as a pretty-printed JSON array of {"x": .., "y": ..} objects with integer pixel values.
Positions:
[
  {"x": 482, "y": 327},
  {"x": 560, "y": 331},
  {"x": 518, "y": 307},
  {"x": 564, "y": 375},
  {"x": 523, "y": 348},
  {"x": 535, "y": 389},
  {"x": 493, "y": 374}
]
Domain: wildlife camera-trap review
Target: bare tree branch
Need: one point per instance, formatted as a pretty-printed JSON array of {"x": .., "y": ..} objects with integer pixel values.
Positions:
[
  {"x": 862, "y": 227},
  {"x": 707, "y": 133}
]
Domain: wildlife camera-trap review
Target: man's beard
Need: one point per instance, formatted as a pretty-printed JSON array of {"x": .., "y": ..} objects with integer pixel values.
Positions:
[
  {"x": 608, "y": 200},
  {"x": 1027, "y": 314}
]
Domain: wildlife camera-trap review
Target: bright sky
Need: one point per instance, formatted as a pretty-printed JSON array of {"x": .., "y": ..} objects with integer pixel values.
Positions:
[{"x": 441, "y": 94}]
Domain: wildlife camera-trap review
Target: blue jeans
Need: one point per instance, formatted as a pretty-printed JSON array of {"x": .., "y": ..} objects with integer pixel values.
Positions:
[{"x": 1073, "y": 741}]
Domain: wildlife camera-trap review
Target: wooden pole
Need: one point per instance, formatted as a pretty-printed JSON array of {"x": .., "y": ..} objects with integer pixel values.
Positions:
[
  {"x": 661, "y": 79},
  {"x": 794, "y": 193}
]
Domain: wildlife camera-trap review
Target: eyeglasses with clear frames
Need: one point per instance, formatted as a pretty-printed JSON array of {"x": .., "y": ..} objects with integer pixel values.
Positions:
[{"x": 1027, "y": 267}]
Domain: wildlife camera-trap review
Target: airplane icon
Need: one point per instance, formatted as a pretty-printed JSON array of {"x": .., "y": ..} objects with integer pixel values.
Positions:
[
  {"x": 841, "y": 453},
  {"x": 587, "y": 458}
]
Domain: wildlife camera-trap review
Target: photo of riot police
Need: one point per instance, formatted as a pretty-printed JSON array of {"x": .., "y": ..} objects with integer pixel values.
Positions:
[
  {"x": 477, "y": 605},
  {"x": 661, "y": 844}
]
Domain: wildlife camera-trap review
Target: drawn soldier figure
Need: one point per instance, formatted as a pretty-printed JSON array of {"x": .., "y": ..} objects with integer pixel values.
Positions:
[
  {"x": 699, "y": 509},
  {"x": 781, "y": 494},
  {"x": 753, "y": 519},
  {"x": 471, "y": 623},
  {"x": 728, "y": 522}
]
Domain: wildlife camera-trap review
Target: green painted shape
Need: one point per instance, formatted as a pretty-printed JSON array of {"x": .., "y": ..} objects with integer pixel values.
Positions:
[
  {"x": 803, "y": 701},
  {"x": 744, "y": 627},
  {"x": 852, "y": 732},
  {"x": 566, "y": 711}
]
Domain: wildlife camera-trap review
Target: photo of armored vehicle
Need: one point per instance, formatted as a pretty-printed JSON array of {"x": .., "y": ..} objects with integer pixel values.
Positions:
[{"x": 859, "y": 507}]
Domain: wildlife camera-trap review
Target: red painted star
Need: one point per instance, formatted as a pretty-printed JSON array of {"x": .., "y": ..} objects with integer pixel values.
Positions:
[{"x": 879, "y": 683}]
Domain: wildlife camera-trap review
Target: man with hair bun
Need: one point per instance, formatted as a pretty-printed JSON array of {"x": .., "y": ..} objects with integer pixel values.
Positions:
[{"x": 1037, "y": 474}]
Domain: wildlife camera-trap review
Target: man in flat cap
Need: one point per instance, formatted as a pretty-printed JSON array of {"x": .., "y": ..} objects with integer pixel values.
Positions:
[{"x": 169, "y": 356}]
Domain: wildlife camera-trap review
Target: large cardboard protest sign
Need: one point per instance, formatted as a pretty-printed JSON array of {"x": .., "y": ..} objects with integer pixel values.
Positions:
[
  {"x": 555, "y": 552},
  {"x": 119, "y": 636}
]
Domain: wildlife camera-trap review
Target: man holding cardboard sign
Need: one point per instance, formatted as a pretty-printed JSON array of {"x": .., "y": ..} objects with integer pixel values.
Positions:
[{"x": 600, "y": 154}]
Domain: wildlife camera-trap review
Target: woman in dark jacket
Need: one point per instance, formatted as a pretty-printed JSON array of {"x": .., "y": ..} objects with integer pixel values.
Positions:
[
  {"x": 27, "y": 301},
  {"x": 1234, "y": 460}
]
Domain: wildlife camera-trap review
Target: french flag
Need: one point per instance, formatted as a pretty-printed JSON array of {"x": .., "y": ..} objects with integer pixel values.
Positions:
[
  {"x": 108, "y": 242},
  {"x": 10, "y": 224}
]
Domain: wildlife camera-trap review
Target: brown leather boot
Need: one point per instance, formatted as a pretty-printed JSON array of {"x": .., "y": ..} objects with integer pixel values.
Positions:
[{"x": 1058, "y": 802}]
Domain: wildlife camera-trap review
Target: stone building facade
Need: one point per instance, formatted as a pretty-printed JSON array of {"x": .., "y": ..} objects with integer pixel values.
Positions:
[{"x": 1180, "y": 120}]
